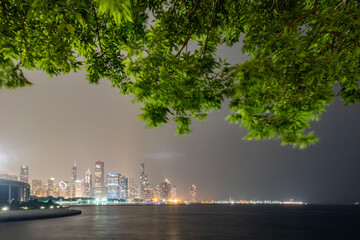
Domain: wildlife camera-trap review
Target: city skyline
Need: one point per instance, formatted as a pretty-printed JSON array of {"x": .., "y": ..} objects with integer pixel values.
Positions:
[
  {"x": 110, "y": 185},
  {"x": 98, "y": 123}
]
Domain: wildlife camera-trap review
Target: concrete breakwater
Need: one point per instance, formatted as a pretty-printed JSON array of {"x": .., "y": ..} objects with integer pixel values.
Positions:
[{"x": 32, "y": 214}]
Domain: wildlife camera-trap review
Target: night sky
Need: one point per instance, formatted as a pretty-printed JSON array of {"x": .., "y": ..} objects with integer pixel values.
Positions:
[{"x": 63, "y": 119}]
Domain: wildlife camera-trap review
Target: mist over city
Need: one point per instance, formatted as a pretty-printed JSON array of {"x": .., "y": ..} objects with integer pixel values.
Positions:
[
  {"x": 72, "y": 121},
  {"x": 170, "y": 120}
]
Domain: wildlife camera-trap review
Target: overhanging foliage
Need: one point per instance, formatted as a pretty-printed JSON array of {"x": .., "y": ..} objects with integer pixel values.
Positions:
[{"x": 298, "y": 52}]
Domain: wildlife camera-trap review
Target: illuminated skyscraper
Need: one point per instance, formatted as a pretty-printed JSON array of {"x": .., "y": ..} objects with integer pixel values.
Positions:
[
  {"x": 148, "y": 194},
  {"x": 36, "y": 188},
  {"x": 88, "y": 184},
  {"x": 124, "y": 187},
  {"x": 99, "y": 188},
  {"x": 24, "y": 174},
  {"x": 193, "y": 193},
  {"x": 73, "y": 180},
  {"x": 165, "y": 190},
  {"x": 132, "y": 188},
  {"x": 79, "y": 188},
  {"x": 52, "y": 189},
  {"x": 173, "y": 192},
  {"x": 143, "y": 182},
  {"x": 45, "y": 189},
  {"x": 113, "y": 185},
  {"x": 157, "y": 191}
]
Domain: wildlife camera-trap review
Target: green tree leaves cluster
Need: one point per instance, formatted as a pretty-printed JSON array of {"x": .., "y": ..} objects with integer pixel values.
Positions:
[{"x": 163, "y": 52}]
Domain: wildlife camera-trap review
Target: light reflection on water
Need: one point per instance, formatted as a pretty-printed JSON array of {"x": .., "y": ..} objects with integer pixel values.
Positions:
[{"x": 194, "y": 222}]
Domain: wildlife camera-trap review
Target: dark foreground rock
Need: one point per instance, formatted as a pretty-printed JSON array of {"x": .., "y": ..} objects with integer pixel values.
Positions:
[{"x": 19, "y": 215}]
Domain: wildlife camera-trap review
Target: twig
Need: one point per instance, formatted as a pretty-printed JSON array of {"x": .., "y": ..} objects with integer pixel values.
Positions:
[
  {"x": 208, "y": 30},
  {"x": 186, "y": 18},
  {"x": 312, "y": 11},
  {"x": 136, "y": 19},
  {"x": 97, "y": 28},
  {"x": 173, "y": 7},
  {"x": 343, "y": 2},
  {"x": 187, "y": 40}
]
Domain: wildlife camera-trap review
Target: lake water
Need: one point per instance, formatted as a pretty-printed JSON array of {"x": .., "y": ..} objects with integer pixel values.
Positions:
[{"x": 194, "y": 222}]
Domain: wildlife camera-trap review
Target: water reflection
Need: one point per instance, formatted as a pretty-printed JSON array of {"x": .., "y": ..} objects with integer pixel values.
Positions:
[{"x": 193, "y": 222}]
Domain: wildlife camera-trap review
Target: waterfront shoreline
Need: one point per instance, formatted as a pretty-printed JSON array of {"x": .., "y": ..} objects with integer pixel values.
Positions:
[{"x": 34, "y": 214}]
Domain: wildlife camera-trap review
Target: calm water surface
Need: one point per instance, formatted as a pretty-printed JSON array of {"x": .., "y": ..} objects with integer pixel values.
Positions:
[{"x": 194, "y": 222}]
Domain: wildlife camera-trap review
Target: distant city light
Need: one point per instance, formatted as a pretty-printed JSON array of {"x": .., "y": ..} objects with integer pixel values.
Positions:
[
  {"x": 4, "y": 208},
  {"x": 119, "y": 189}
]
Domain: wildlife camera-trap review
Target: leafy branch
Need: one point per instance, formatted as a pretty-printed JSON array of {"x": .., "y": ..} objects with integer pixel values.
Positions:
[
  {"x": 208, "y": 29},
  {"x": 312, "y": 11}
]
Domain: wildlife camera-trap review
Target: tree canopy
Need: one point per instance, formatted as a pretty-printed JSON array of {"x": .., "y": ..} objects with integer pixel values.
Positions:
[{"x": 302, "y": 54}]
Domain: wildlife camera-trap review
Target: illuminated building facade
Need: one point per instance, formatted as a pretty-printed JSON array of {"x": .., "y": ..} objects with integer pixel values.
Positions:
[
  {"x": 157, "y": 191},
  {"x": 24, "y": 174},
  {"x": 36, "y": 188},
  {"x": 113, "y": 184},
  {"x": 99, "y": 188},
  {"x": 124, "y": 187},
  {"x": 165, "y": 190},
  {"x": 143, "y": 181},
  {"x": 73, "y": 180},
  {"x": 88, "y": 184},
  {"x": 173, "y": 192},
  {"x": 193, "y": 193},
  {"x": 79, "y": 187},
  {"x": 148, "y": 194},
  {"x": 52, "y": 189},
  {"x": 132, "y": 188}
]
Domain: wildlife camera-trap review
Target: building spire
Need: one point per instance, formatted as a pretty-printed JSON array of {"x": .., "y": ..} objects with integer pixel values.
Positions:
[{"x": 75, "y": 163}]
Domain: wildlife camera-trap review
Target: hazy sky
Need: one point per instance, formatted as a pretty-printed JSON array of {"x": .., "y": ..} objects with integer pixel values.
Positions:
[{"x": 60, "y": 120}]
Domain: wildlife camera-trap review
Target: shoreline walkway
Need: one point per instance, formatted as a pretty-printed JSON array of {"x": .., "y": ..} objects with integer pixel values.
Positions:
[{"x": 32, "y": 214}]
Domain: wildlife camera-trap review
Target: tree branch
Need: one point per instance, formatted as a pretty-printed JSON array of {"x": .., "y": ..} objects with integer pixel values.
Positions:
[
  {"x": 186, "y": 18},
  {"x": 208, "y": 30},
  {"x": 136, "y": 19},
  {"x": 97, "y": 28},
  {"x": 312, "y": 11},
  {"x": 173, "y": 6},
  {"x": 343, "y": 2},
  {"x": 187, "y": 40}
]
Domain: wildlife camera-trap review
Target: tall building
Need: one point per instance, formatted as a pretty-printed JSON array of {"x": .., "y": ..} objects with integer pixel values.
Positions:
[
  {"x": 99, "y": 188},
  {"x": 88, "y": 184},
  {"x": 113, "y": 184},
  {"x": 173, "y": 193},
  {"x": 132, "y": 188},
  {"x": 45, "y": 189},
  {"x": 157, "y": 191},
  {"x": 24, "y": 174},
  {"x": 193, "y": 193},
  {"x": 165, "y": 190},
  {"x": 148, "y": 194},
  {"x": 73, "y": 180},
  {"x": 36, "y": 188},
  {"x": 79, "y": 186},
  {"x": 52, "y": 189},
  {"x": 124, "y": 184},
  {"x": 143, "y": 181}
]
